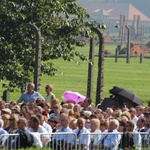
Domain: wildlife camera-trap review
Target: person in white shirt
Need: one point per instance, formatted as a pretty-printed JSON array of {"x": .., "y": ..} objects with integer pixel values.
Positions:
[
  {"x": 141, "y": 125},
  {"x": 44, "y": 124},
  {"x": 134, "y": 118},
  {"x": 139, "y": 111},
  {"x": 86, "y": 104},
  {"x": 34, "y": 126},
  {"x": 83, "y": 134}
]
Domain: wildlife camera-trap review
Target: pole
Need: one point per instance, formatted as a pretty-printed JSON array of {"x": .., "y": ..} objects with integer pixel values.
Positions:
[
  {"x": 141, "y": 58},
  {"x": 128, "y": 44},
  {"x": 90, "y": 70},
  {"x": 100, "y": 78},
  {"x": 116, "y": 56},
  {"x": 37, "y": 69},
  {"x": 122, "y": 34}
]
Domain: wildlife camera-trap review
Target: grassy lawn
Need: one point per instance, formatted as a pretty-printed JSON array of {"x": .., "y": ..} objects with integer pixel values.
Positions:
[{"x": 73, "y": 76}]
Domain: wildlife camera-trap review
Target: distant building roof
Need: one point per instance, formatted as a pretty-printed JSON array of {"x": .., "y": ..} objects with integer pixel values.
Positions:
[
  {"x": 114, "y": 10},
  {"x": 103, "y": 11},
  {"x": 134, "y": 11}
]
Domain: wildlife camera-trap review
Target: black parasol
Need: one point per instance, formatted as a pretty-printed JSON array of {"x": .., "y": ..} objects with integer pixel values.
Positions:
[{"x": 125, "y": 95}]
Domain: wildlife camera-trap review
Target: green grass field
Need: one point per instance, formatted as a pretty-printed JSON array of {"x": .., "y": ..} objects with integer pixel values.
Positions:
[{"x": 73, "y": 76}]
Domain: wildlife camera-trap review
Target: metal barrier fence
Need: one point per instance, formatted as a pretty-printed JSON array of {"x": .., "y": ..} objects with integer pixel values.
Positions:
[
  {"x": 69, "y": 141},
  {"x": 8, "y": 141}
]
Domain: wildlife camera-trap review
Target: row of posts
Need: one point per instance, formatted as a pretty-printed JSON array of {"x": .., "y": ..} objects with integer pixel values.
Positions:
[
  {"x": 127, "y": 58},
  {"x": 100, "y": 77}
]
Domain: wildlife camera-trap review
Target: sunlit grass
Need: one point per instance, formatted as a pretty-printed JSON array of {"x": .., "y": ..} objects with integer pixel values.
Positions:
[{"x": 73, "y": 76}]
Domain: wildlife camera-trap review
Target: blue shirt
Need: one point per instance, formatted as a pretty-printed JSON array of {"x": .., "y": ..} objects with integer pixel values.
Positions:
[
  {"x": 26, "y": 97},
  {"x": 111, "y": 140},
  {"x": 2, "y": 131},
  {"x": 66, "y": 137},
  {"x": 84, "y": 137}
]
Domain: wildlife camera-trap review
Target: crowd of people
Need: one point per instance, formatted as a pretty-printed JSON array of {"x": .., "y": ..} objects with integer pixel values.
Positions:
[{"x": 57, "y": 124}]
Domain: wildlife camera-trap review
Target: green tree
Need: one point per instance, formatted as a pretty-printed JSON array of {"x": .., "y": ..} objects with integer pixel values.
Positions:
[{"x": 62, "y": 22}]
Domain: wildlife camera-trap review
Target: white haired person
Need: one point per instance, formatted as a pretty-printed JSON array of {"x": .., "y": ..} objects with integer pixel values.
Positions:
[
  {"x": 109, "y": 113},
  {"x": 95, "y": 132},
  {"x": 110, "y": 141},
  {"x": 30, "y": 95},
  {"x": 83, "y": 134}
]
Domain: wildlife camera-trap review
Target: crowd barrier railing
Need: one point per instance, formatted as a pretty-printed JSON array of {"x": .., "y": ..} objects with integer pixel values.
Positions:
[
  {"x": 87, "y": 141},
  {"x": 8, "y": 141}
]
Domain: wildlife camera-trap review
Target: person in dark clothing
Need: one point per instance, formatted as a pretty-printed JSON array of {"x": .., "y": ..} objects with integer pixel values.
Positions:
[
  {"x": 25, "y": 138},
  {"x": 130, "y": 139},
  {"x": 53, "y": 123}
]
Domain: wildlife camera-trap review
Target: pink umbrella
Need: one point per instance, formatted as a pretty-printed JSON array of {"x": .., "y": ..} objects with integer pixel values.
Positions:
[{"x": 74, "y": 97}]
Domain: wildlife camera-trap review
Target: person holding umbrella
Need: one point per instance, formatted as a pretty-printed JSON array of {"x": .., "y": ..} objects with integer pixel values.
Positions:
[
  {"x": 126, "y": 97},
  {"x": 86, "y": 104},
  {"x": 129, "y": 104}
]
